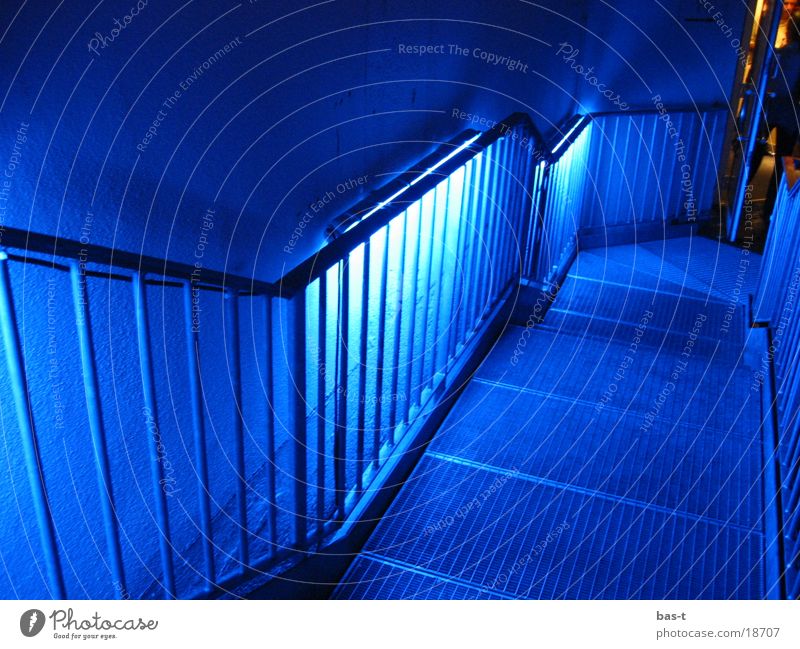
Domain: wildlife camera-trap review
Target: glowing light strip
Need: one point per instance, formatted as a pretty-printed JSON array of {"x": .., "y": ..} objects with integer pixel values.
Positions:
[
  {"x": 453, "y": 153},
  {"x": 566, "y": 137},
  {"x": 383, "y": 203},
  {"x": 426, "y": 173}
]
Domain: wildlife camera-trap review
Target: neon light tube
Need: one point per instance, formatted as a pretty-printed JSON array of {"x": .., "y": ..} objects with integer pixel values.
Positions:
[
  {"x": 426, "y": 173},
  {"x": 566, "y": 137}
]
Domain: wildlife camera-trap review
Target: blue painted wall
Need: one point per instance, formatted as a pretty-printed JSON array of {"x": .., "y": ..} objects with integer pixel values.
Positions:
[{"x": 312, "y": 99}]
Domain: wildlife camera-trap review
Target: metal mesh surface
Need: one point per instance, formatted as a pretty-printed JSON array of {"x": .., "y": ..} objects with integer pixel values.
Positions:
[{"x": 592, "y": 457}]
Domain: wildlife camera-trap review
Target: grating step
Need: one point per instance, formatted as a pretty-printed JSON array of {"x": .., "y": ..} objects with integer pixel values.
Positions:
[
  {"x": 711, "y": 475},
  {"x": 708, "y": 394},
  {"x": 539, "y": 541},
  {"x": 677, "y": 315},
  {"x": 594, "y": 455},
  {"x": 372, "y": 577}
]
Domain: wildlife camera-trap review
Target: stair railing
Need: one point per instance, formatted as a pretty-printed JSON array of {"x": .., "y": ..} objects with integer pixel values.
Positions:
[
  {"x": 328, "y": 371},
  {"x": 776, "y": 308}
]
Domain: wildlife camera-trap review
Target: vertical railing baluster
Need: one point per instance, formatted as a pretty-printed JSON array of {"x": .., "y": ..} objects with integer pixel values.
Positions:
[
  {"x": 554, "y": 228},
  {"x": 296, "y": 343},
  {"x": 149, "y": 391},
  {"x": 426, "y": 298},
  {"x": 511, "y": 174},
  {"x": 702, "y": 148},
  {"x": 624, "y": 181},
  {"x": 560, "y": 225},
  {"x": 413, "y": 313},
  {"x": 362, "y": 368},
  {"x": 80, "y": 299},
  {"x": 474, "y": 242},
  {"x": 459, "y": 264},
  {"x": 566, "y": 232},
  {"x": 594, "y": 159},
  {"x": 634, "y": 185},
  {"x": 540, "y": 234},
  {"x": 544, "y": 240},
  {"x": 322, "y": 372},
  {"x": 340, "y": 433},
  {"x": 232, "y": 307},
  {"x": 440, "y": 282},
  {"x": 482, "y": 260},
  {"x": 523, "y": 185},
  {"x": 30, "y": 446},
  {"x": 530, "y": 201},
  {"x": 576, "y": 181},
  {"x": 501, "y": 218},
  {"x": 525, "y": 205},
  {"x": 491, "y": 190},
  {"x": 534, "y": 238},
  {"x": 651, "y": 177},
  {"x": 492, "y": 228},
  {"x": 548, "y": 235},
  {"x": 569, "y": 231},
  {"x": 507, "y": 216},
  {"x": 710, "y": 152},
  {"x": 544, "y": 252},
  {"x": 660, "y": 197},
  {"x": 560, "y": 210},
  {"x": 190, "y": 294},
  {"x": 376, "y": 433},
  {"x": 398, "y": 329},
  {"x": 673, "y": 170},
  {"x": 612, "y": 170},
  {"x": 478, "y": 241},
  {"x": 269, "y": 392}
]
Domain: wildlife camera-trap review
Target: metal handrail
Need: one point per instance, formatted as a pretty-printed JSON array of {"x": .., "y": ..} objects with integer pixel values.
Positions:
[
  {"x": 54, "y": 247},
  {"x": 776, "y": 309},
  {"x": 313, "y": 266}
]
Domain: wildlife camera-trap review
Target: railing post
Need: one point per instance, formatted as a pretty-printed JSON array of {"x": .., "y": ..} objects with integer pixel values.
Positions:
[
  {"x": 151, "y": 413},
  {"x": 191, "y": 294},
  {"x": 235, "y": 368},
  {"x": 754, "y": 117},
  {"x": 440, "y": 285},
  {"x": 30, "y": 445},
  {"x": 296, "y": 339},
  {"x": 459, "y": 265},
  {"x": 322, "y": 386},
  {"x": 269, "y": 391},
  {"x": 379, "y": 363},
  {"x": 426, "y": 273},
  {"x": 525, "y": 203},
  {"x": 340, "y": 429},
  {"x": 538, "y": 213},
  {"x": 362, "y": 368},
  {"x": 80, "y": 300},
  {"x": 397, "y": 329}
]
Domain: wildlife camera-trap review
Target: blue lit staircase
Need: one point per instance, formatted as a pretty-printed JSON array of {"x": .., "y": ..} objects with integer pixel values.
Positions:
[{"x": 619, "y": 455}]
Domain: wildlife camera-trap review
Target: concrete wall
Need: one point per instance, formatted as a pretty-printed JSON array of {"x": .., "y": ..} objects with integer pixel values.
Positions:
[
  {"x": 679, "y": 50},
  {"x": 310, "y": 101}
]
